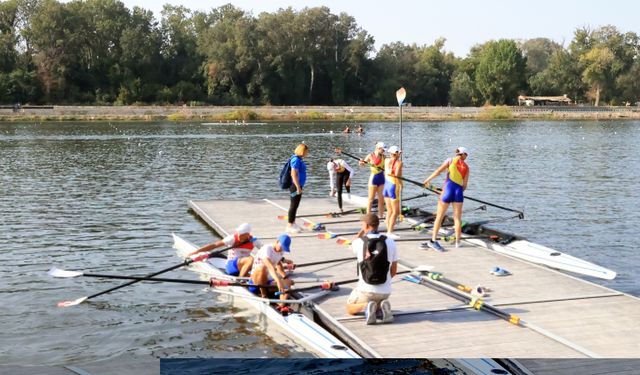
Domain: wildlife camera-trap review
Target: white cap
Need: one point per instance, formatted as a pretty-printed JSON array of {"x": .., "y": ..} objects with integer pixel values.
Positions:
[
  {"x": 243, "y": 228},
  {"x": 381, "y": 145},
  {"x": 462, "y": 150},
  {"x": 393, "y": 149}
]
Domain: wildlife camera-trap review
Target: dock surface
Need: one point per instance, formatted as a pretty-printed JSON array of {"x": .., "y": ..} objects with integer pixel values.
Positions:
[{"x": 570, "y": 317}]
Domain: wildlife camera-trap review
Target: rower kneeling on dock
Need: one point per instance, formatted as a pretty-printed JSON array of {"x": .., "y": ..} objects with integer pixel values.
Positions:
[
  {"x": 377, "y": 264},
  {"x": 268, "y": 269}
]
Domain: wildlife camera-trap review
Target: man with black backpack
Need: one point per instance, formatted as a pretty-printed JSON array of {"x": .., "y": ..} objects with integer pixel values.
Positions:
[{"x": 377, "y": 265}]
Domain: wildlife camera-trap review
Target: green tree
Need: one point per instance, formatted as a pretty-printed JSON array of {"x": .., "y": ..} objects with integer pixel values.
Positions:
[
  {"x": 433, "y": 71},
  {"x": 597, "y": 64},
  {"x": 47, "y": 31},
  {"x": 181, "y": 28},
  {"x": 394, "y": 68},
  {"x": 501, "y": 72},
  {"x": 230, "y": 56}
]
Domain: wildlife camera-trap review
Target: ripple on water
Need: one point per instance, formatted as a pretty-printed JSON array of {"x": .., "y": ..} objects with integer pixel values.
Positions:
[{"x": 101, "y": 198}]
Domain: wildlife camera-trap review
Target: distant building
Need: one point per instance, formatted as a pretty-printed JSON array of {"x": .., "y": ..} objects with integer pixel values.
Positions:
[{"x": 543, "y": 100}]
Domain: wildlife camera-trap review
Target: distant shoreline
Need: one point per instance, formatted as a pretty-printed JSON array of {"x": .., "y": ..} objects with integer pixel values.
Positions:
[{"x": 309, "y": 113}]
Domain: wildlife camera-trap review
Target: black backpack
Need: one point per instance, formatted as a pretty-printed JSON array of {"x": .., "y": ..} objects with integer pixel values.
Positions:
[
  {"x": 375, "y": 264},
  {"x": 285, "y": 175}
]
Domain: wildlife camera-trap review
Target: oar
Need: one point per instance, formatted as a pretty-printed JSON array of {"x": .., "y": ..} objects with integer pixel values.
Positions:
[
  {"x": 321, "y": 226},
  {"x": 329, "y": 235},
  {"x": 294, "y": 266},
  {"x": 337, "y": 283},
  {"x": 60, "y": 273},
  {"x": 440, "y": 277},
  {"x": 479, "y": 304},
  {"x": 450, "y": 238},
  {"x": 185, "y": 263},
  {"x": 435, "y": 190},
  {"x": 329, "y": 214},
  {"x": 212, "y": 282}
]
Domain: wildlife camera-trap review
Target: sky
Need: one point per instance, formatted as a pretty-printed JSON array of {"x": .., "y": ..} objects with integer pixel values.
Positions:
[{"x": 463, "y": 23}]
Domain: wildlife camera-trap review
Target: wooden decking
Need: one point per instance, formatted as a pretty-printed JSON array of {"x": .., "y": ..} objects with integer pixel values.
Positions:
[{"x": 576, "y": 318}]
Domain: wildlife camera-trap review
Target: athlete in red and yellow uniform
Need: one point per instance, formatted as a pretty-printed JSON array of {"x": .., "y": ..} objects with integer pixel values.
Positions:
[
  {"x": 376, "y": 179},
  {"x": 392, "y": 188},
  {"x": 452, "y": 192}
]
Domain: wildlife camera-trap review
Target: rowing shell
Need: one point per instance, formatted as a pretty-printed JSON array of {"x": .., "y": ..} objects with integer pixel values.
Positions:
[
  {"x": 297, "y": 326},
  {"x": 521, "y": 248},
  {"x": 540, "y": 254}
]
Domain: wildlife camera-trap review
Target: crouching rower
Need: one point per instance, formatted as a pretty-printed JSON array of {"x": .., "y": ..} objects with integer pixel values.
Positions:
[
  {"x": 268, "y": 269},
  {"x": 242, "y": 243}
]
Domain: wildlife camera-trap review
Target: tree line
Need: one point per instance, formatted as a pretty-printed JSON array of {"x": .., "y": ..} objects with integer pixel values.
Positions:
[{"x": 101, "y": 52}]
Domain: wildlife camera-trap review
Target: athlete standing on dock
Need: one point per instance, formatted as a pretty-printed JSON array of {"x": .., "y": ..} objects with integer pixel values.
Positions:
[
  {"x": 376, "y": 179},
  {"x": 392, "y": 189},
  {"x": 452, "y": 192},
  {"x": 298, "y": 179},
  {"x": 331, "y": 168},
  {"x": 344, "y": 175},
  {"x": 239, "y": 258}
]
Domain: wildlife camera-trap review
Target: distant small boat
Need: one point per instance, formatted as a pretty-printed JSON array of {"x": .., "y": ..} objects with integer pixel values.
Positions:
[{"x": 233, "y": 123}]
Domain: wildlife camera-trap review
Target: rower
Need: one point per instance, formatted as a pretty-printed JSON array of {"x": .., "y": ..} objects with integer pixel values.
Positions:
[
  {"x": 452, "y": 192},
  {"x": 239, "y": 259},
  {"x": 268, "y": 269},
  {"x": 344, "y": 173},
  {"x": 375, "y": 160}
]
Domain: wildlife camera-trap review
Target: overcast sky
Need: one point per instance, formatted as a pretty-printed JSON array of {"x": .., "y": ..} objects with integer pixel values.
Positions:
[{"x": 463, "y": 23}]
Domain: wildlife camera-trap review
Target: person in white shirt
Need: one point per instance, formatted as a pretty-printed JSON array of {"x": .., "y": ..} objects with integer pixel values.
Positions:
[
  {"x": 331, "y": 168},
  {"x": 242, "y": 243},
  {"x": 268, "y": 269},
  {"x": 344, "y": 174},
  {"x": 374, "y": 284}
]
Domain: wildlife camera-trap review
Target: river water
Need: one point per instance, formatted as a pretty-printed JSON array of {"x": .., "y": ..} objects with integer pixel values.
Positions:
[{"x": 105, "y": 197}]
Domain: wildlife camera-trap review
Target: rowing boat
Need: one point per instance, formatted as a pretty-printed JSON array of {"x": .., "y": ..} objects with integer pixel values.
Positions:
[
  {"x": 519, "y": 247},
  {"x": 296, "y": 326}
]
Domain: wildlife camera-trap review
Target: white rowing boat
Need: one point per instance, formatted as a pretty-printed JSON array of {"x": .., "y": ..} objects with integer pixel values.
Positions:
[
  {"x": 521, "y": 248},
  {"x": 296, "y": 326}
]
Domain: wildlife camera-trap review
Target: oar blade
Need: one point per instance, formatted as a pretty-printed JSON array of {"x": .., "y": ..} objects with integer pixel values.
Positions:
[
  {"x": 72, "y": 303},
  {"x": 57, "y": 272},
  {"x": 282, "y": 217},
  {"x": 325, "y": 236},
  {"x": 343, "y": 241}
]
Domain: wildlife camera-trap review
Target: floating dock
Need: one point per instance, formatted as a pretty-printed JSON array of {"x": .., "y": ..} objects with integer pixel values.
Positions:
[{"x": 567, "y": 317}]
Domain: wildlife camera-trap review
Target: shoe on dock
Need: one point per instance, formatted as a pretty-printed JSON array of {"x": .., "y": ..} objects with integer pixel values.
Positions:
[
  {"x": 370, "y": 313},
  {"x": 292, "y": 230},
  {"x": 387, "y": 315},
  {"x": 497, "y": 271},
  {"x": 435, "y": 245}
]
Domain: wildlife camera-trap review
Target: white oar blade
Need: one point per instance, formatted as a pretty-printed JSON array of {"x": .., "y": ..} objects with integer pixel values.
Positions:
[
  {"x": 423, "y": 268},
  {"x": 57, "y": 272},
  {"x": 72, "y": 303}
]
